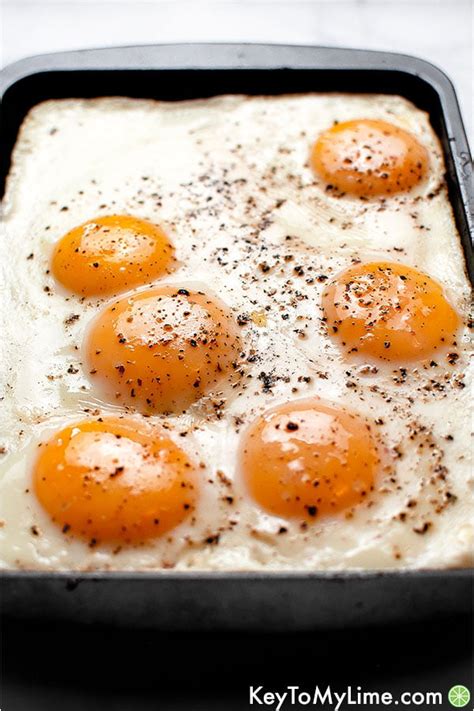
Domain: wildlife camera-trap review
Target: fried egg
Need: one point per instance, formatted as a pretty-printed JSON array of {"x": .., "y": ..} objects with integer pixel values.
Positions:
[
  {"x": 110, "y": 254},
  {"x": 369, "y": 158},
  {"x": 306, "y": 459},
  {"x": 114, "y": 480},
  {"x": 235, "y": 338},
  {"x": 389, "y": 311},
  {"x": 162, "y": 349}
]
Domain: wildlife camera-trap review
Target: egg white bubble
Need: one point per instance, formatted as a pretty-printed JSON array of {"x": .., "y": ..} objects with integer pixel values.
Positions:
[{"x": 229, "y": 181}]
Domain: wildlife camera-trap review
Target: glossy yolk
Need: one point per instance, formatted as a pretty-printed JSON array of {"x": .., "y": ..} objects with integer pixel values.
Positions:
[
  {"x": 389, "y": 311},
  {"x": 369, "y": 158},
  {"x": 162, "y": 349},
  {"x": 307, "y": 458},
  {"x": 111, "y": 254},
  {"x": 114, "y": 480}
]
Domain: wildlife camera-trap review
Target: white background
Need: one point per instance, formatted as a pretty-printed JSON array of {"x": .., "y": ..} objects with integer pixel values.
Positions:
[{"x": 438, "y": 30}]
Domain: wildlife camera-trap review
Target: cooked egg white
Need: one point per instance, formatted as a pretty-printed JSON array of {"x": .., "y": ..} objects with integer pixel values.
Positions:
[{"x": 229, "y": 181}]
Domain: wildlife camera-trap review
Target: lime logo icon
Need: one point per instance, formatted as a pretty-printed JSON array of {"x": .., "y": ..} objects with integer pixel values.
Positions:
[{"x": 459, "y": 696}]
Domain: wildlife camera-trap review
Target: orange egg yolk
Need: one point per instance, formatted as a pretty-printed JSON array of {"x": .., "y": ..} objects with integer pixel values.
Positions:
[
  {"x": 369, "y": 158},
  {"x": 162, "y": 349},
  {"x": 389, "y": 311},
  {"x": 308, "y": 458},
  {"x": 115, "y": 480},
  {"x": 111, "y": 254}
]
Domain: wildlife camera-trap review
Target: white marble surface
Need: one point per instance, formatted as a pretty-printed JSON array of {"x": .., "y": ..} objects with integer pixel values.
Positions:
[{"x": 438, "y": 30}]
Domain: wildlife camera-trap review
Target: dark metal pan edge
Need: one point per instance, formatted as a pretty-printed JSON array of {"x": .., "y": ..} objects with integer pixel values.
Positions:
[
  {"x": 283, "y": 602},
  {"x": 342, "y": 575}
]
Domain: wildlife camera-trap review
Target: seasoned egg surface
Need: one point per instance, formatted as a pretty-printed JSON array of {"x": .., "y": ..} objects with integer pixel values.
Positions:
[
  {"x": 111, "y": 253},
  {"x": 308, "y": 458},
  {"x": 389, "y": 311},
  {"x": 114, "y": 480},
  {"x": 162, "y": 349},
  {"x": 230, "y": 235},
  {"x": 370, "y": 158}
]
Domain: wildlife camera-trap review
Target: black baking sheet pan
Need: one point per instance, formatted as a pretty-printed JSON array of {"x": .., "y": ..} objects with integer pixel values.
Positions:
[{"x": 241, "y": 600}]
